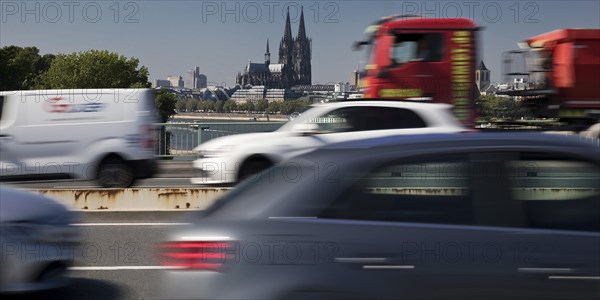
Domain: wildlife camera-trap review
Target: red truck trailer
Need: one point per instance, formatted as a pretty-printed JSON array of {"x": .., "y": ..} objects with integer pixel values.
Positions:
[{"x": 566, "y": 65}]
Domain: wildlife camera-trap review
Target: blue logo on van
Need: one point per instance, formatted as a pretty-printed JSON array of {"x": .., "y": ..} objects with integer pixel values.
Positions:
[{"x": 55, "y": 106}]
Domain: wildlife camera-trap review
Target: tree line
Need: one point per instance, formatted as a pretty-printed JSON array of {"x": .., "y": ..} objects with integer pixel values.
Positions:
[
  {"x": 24, "y": 68},
  {"x": 230, "y": 106}
]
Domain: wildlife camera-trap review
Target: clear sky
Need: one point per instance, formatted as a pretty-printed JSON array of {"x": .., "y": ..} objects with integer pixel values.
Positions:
[{"x": 171, "y": 37}]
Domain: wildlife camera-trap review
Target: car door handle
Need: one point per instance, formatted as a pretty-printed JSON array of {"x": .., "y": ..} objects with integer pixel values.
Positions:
[
  {"x": 422, "y": 75},
  {"x": 373, "y": 263}
]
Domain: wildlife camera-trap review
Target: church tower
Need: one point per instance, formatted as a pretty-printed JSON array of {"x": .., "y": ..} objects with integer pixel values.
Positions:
[
  {"x": 482, "y": 76},
  {"x": 302, "y": 55},
  {"x": 286, "y": 51},
  {"x": 267, "y": 55},
  {"x": 287, "y": 43}
]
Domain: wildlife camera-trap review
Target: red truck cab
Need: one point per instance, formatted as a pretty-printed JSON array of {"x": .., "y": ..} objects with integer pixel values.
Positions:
[{"x": 422, "y": 59}]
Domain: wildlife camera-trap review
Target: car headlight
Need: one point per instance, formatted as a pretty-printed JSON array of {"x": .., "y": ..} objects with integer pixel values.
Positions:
[{"x": 216, "y": 152}]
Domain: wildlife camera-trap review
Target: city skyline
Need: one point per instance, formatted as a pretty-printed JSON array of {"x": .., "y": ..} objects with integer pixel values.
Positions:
[{"x": 170, "y": 37}]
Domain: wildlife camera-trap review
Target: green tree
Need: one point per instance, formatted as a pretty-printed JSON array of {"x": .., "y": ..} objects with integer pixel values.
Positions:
[
  {"x": 165, "y": 102},
  {"x": 494, "y": 107},
  {"x": 180, "y": 105},
  {"x": 301, "y": 105},
  {"x": 287, "y": 107},
  {"x": 247, "y": 107},
  {"x": 273, "y": 107},
  {"x": 261, "y": 105},
  {"x": 218, "y": 106},
  {"x": 204, "y": 105},
  {"x": 20, "y": 67},
  {"x": 230, "y": 105},
  {"x": 250, "y": 106},
  {"x": 94, "y": 69},
  {"x": 191, "y": 105}
]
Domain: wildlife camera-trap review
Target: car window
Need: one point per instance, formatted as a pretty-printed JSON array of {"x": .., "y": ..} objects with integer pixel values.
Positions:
[
  {"x": 557, "y": 193},
  {"x": 418, "y": 47},
  {"x": 363, "y": 118},
  {"x": 434, "y": 191}
]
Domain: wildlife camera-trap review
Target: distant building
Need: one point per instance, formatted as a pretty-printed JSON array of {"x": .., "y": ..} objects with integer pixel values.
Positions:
[
  {"x": 293, "y": 67},
  {"x": 355, "y": 80},
  {"x": 195, "y": 80},
  {"x": 162, "y": 83},
  {"x": 201, "y": 81},
  {"x": 176, "y": 81},
  {"x": 482, "y": 76}
]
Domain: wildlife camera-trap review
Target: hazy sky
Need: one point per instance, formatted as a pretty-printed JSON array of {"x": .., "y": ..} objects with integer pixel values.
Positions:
[{"x": 170, "y": 37}]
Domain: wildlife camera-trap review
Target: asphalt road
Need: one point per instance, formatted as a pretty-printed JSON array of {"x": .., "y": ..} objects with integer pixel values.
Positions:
[{"x": 116, "y": 259}]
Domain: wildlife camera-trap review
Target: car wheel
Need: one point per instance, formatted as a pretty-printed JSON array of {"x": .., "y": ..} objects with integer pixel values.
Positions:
[
  {"x": 253, "y": 166},
  {"x": 115, "y": 173}
]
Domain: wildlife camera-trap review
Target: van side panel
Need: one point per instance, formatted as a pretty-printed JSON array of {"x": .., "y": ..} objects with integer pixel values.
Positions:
[{"x": 70, "y": 131}]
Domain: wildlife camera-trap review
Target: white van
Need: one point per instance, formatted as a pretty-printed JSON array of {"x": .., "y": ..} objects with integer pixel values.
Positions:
[{"x": 91, "y": 134}]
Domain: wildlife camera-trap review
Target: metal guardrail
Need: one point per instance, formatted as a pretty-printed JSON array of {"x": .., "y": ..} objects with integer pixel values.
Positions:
[{"x": 179, "y": 139}]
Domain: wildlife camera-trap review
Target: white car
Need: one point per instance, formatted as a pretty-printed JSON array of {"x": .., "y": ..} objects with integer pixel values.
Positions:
[{"x": 233, "y": 158}]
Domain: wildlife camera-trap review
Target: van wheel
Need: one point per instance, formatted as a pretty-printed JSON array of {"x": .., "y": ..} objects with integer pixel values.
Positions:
[
  {"x": 115, "y": 173},
  {"x": 253, "y": 166}
]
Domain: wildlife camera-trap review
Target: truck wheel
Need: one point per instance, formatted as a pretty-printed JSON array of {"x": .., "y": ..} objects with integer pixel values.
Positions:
[
  {"x": 253, "y": 166},
  {"x": 115, "y": 173}
]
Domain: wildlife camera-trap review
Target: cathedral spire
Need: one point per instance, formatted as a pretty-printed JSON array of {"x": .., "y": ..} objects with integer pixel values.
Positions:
[
  {"x": 287, "y": 35},
  {"x": 267, "y": 55},
  {"x": 286, "y": 48},
  {"x": 267, "y": 47},
  {"x": 301, "y": 29}
]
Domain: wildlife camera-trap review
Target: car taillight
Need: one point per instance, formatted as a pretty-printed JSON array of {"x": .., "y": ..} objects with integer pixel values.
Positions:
[
  {"x": 147, "y": 133},
  {"x": 196, "y": 255}
]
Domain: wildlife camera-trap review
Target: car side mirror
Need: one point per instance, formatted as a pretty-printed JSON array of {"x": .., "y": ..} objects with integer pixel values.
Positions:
[{"x": 357, "y": 46}]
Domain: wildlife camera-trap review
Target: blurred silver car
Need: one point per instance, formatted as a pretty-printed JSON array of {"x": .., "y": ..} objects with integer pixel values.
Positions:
[
  {"x": 445, "y": 216},
  {"x": 37, "y": 241}
]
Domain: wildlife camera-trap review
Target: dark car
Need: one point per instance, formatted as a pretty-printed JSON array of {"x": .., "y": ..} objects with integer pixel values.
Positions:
[
  {"x": 37, "y": 242},
  {"x": 445, "y": 216}
]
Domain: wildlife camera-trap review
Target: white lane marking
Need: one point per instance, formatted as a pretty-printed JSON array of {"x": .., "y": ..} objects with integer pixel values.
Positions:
[
  {"x": 391, "y": 267},
  {"x": 130, "y": 224},
  {"x": 575, "y": 277},
  {"x": 121, "y": 268}
]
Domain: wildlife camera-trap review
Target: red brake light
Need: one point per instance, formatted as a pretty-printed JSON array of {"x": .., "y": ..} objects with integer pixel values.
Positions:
[
  {"x": 147, "y": 133},
  {"x": 196, "y": 255}
]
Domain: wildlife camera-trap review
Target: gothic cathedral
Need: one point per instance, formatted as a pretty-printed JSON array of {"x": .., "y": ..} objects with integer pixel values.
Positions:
[{"x": 293, "y": 67}]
